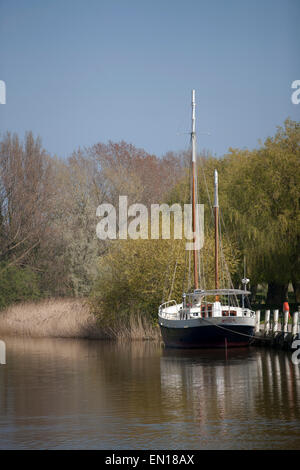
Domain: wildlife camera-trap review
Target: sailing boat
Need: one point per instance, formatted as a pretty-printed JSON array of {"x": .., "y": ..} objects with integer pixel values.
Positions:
[{"x": 207, "y": 318}]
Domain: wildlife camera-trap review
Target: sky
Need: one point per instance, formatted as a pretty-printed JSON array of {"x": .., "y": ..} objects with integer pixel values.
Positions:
[{"x": 78, "y": 72}]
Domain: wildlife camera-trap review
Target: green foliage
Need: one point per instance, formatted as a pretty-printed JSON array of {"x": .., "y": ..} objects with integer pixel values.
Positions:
[
  {"x": 260, "y": 207},
  {"x": 260, "y": 197},
  {"x": 135, "y": 276},
  {"x": 47, "y": 221},
  {"x": 17, "y": 284},
  {"x": 131, "y": 279}
]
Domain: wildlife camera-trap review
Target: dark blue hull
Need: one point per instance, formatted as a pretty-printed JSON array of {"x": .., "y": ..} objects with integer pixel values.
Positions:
[{"x": 207, "y": 336}]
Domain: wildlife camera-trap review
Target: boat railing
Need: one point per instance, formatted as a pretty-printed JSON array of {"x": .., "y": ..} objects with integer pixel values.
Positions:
[
  {"x": 252, "y": 313},
  {"x": 246, "y": 312},
  {"x": 169, "y": 314}
]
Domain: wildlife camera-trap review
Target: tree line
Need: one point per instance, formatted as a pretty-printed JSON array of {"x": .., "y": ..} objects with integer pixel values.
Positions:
[{"x": 48, "y": 242}]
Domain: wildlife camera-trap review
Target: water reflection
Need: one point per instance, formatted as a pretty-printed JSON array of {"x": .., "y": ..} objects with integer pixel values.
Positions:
[
  {"x": 252, "y": 396},
  {"x": 92, "y": 394}
]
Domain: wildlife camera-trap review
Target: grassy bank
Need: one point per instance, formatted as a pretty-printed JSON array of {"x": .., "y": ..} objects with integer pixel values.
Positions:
[{"x": 68, "y": 318}]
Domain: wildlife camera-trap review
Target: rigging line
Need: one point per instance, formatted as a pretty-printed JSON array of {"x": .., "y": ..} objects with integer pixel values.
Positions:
[
  {"x": 222, "y": 259},
  {"x": 230, "y": 246},
  {"x": 169, "y": 264},
  {"x": 224, "y": 267},
  {"x": 236, "y": 332},
  {"x": 201, "y": 261},
  {"x": 184, "y": 271},
  {"x": 223, "y": 255},
  {"x": 212, "y": 216},
  {"x": 190, "y": 198},
  {"x": 166, "y": 276},
  {"x": 178, "y": 251},
  {"x": 207, "y": 191},
  {"x": 189, "y": 272},
  {"x": 203, "y": 270},
  {"x": 221, "y": 217},
  {"x": 210, "y": 206},
  {"x": 172, "y": 285},
  {"x": 224, "y": 227},
  {"x": 198, "y": 225}
]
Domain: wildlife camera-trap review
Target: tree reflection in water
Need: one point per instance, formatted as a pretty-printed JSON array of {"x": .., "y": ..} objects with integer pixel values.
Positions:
[{"x": 57, "y": 393}]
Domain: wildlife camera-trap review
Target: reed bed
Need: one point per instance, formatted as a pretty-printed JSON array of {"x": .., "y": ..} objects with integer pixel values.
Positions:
[
  {"x": 69, "y": 318},
  {"x": 56, "y": 318},
  {"x": 138, "y": 328}
]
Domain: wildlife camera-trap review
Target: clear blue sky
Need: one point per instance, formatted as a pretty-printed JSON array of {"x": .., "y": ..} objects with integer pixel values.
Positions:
[{"x": 82, "y": 71}]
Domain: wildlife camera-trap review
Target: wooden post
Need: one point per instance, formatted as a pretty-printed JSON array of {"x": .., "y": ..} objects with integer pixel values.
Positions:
[
  {"x": 285, "y": 321},
  {"x": 267, "y": 322},
  {"x": 275, "y": 321},
  {"x": 295, "y": 324},
  {"x": 257, "y": 321}
]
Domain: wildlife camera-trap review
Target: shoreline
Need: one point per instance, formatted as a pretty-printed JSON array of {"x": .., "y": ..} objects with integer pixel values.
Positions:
[{"x": 68, "y": 318}]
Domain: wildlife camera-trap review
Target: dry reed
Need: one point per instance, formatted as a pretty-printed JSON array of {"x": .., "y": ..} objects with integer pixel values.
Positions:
[
  {"x": 139, "y": 328},
  {"x": 57, "y": 318},
  {"x": 69, "y": 318}
]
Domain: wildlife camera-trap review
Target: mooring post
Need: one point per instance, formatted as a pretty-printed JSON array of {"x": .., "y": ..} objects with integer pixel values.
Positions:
[
  {"x": 275, "y": 321},
  {"x": 285, "y": 321},
  {"x": 257, "y": 321},
  {"x": 295, "y": 324},
  {"x": 267, "y": 322}
]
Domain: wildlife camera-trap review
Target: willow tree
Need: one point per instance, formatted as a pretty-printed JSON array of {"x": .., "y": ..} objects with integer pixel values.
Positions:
[
  {"x": 259, "y": 204},
  {"x": 260, "y": 192}
]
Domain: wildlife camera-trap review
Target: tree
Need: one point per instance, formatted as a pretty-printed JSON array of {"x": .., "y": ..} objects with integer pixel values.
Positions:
[
  {"x": 261, "y": 208},
  {"x": 136, "y": 276},
  {"x": 24, "y": 196}
]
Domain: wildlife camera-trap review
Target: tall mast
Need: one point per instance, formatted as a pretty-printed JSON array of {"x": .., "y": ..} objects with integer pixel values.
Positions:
[
  {"x": 193, "y": 137},
  {"x": 216, "y": 212}
]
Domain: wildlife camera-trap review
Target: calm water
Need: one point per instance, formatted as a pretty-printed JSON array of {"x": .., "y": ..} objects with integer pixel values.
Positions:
[{"x": 57, "y": 393}]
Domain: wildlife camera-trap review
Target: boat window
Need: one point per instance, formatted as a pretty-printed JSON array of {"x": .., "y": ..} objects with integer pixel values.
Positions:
[{"x": 231, "y": 313}]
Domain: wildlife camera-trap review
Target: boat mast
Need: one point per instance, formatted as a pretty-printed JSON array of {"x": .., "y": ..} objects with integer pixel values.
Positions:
[
  {"x": 193, "y": 137},
  {"x": 216, "y": 213}
]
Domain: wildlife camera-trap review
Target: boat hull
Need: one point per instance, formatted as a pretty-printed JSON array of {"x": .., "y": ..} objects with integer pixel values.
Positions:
[{"x": 192, "y": 334}]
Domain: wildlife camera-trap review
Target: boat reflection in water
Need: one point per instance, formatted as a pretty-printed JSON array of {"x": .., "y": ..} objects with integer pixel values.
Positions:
[
  {"x": 80, "y": 394},
  {"x": 249, "y": 397}
]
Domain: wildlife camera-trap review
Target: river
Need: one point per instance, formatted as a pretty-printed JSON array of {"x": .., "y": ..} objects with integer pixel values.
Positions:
[{"x": 82, "y": 394}]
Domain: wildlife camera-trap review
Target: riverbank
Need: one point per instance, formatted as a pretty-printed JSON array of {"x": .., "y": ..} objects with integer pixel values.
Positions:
[{"x": 67, "y": 318}]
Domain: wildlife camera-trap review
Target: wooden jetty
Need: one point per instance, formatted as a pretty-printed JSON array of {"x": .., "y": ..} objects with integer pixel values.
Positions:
[{"x": 278, "y": 330}]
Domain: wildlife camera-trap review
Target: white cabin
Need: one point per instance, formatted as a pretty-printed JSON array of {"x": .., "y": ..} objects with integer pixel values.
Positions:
[{"x": 194, "y": 306}]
